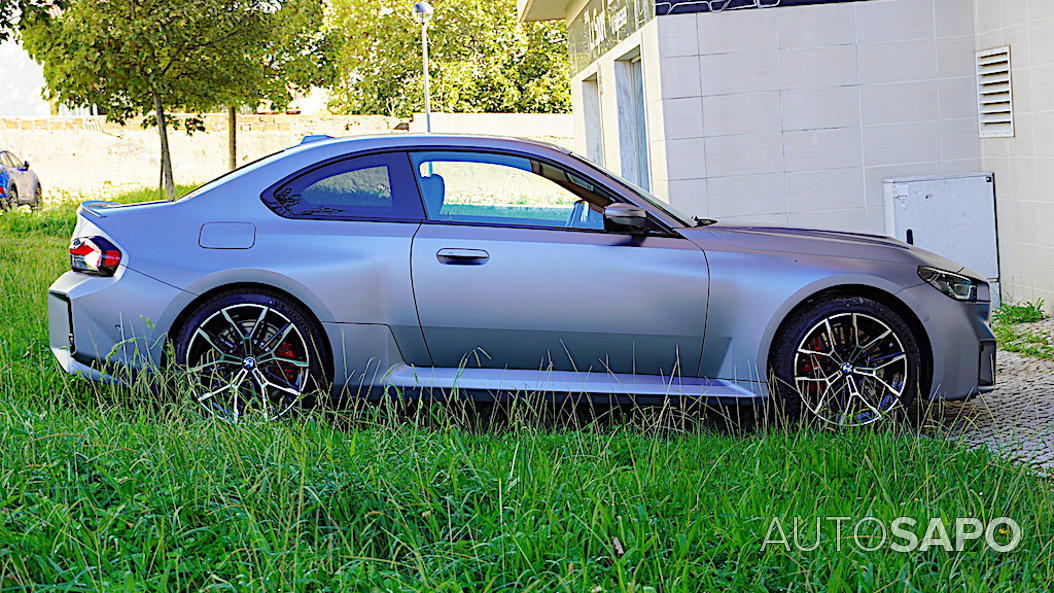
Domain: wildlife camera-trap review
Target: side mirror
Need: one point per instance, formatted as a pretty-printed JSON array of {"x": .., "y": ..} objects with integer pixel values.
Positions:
[
  {"x": 25, "y": 165},
  {"x": 625, "y": 218}
]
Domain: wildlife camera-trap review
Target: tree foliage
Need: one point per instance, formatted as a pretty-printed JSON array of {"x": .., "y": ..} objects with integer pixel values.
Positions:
[
  {"x": 149, "y": 57},
  {"x": 482, "y": 59}
]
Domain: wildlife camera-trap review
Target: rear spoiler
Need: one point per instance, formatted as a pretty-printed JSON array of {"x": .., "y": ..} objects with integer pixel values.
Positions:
[{"x": 98, "y": 208}]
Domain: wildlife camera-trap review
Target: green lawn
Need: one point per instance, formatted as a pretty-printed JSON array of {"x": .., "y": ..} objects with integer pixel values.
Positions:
[{"x": 116, "y": 489}]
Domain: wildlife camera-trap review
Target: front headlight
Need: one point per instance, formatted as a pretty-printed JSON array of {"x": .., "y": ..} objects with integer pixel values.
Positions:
[{"x": 956, "y": 286}]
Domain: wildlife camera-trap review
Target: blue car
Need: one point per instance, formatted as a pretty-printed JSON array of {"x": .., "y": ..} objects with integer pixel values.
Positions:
[{"x": 18, "y": 185}]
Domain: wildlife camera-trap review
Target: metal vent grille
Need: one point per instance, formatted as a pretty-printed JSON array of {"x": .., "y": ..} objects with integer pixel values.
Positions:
[{"x": 995, "y": 98}]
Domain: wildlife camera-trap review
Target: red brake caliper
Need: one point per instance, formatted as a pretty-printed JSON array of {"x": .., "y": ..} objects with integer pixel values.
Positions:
[{"x": 288, "y": 371}]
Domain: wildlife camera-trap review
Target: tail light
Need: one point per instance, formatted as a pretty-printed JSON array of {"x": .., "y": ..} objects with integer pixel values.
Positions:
[{"x": 94, "y": 255}]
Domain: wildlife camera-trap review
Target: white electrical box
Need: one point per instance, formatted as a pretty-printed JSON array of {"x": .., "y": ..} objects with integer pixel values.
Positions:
[{"x": 951, "y": 215}]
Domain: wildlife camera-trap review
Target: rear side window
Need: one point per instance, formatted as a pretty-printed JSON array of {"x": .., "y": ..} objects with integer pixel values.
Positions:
[{"x": 366, "y": 187}]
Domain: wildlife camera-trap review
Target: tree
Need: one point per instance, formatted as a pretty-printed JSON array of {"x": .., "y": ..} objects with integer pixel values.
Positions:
[
  {"x": 11, "y": 12},
  {"x": 148, "y": 57},
  {"x": 297, "y": 53},
  {"x": 482, "y": 58}
]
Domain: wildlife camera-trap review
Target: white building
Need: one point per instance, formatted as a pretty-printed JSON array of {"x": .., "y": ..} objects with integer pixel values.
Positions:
[{"x": 797, "y": 111}]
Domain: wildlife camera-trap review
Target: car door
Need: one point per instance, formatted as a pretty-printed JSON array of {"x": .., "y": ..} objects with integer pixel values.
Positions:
[{"x": 513, "y": 269}]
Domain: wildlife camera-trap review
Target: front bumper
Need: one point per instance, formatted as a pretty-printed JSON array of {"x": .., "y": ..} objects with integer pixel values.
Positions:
[
  {"x": 962, "y": 345},
  {"x": 98, "y": 323}
]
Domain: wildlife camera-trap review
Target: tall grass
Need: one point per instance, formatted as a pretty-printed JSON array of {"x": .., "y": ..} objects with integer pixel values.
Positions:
[{"x": 108, "y": 488}]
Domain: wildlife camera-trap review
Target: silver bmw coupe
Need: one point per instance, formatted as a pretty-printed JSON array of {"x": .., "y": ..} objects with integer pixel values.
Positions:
[{"x": 482, "y": 266}]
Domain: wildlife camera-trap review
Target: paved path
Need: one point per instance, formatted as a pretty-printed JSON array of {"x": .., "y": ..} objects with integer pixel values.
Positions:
[{"x": 1017, "y": 418}]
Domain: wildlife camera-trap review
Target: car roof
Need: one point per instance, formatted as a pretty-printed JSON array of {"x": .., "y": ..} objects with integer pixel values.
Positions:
[{"x": 408, "y": 141}]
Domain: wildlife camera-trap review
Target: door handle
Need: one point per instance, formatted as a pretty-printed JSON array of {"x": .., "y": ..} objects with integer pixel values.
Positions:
[{"x": 462, "y": 257}]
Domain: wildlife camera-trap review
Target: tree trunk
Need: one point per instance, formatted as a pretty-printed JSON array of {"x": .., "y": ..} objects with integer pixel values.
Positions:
[
  {"x": 168, "y": 186},
  {"x": 232, "y": 137}
]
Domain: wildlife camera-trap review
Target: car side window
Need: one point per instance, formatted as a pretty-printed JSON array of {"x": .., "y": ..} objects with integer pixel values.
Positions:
[
  {"x": 366, "y": 187},
  {"x": 464, "y": 186},
  {"x": 4, "y": 160}
]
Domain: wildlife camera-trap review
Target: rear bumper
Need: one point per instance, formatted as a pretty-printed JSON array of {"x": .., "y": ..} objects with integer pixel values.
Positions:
[{"x": 97, "y": 322}]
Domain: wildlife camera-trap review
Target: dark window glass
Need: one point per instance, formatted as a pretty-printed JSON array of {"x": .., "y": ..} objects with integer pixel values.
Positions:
[{"x": 374, "y": 186}]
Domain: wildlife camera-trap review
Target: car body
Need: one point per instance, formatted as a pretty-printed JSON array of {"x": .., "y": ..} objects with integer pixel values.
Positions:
[
  {"x": 436, "y": 292},
  {"x": 18, "y": 184}
]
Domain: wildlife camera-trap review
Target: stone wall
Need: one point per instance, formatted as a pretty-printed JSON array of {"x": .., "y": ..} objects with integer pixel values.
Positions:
[{"x": 90, "y": 156}]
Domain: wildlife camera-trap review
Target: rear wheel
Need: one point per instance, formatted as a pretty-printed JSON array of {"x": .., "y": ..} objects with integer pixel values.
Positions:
[
  {"x": 252, "y": 355},
  {"x": 847, "y": 361},
  {"x": 12, "y": 198}
]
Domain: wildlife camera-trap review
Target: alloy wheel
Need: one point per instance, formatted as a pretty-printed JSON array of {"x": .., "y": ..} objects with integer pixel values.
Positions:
[
  {"x": 248, "y": 360},
  {"x": 851, "y": 369}
]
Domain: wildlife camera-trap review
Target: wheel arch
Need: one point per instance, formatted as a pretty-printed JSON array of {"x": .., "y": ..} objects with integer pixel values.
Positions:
[
  {"x": 188, "y": 309},
  {"x": 874, "y": 293}
]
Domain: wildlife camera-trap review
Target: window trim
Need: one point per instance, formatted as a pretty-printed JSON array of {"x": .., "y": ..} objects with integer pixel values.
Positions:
[
  {"x": 666, "y": 229},
  {"x": 411, "y": 202}
]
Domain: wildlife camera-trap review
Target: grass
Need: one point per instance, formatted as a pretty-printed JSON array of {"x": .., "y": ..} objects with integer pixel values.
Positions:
[
  {"x": 1019, "y": 312},
  {"x": 1012, "y": 337},
  {"x": 108, "y": 489}
]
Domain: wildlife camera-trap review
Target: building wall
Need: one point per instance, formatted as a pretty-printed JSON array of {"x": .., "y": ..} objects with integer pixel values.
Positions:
[
  {"x": 603, "y": 70},
  {"x": 795, "y": 115},
  {"x": 1024, "y": 164}
]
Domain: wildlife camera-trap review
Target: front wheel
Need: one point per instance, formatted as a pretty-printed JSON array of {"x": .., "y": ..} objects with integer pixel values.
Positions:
[
  {"x": 847, "y": 361},
  {"x": 252, "y": 354}
]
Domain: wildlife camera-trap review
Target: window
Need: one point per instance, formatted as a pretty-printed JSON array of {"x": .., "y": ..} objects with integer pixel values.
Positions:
[
  {"x": 632, "y": 125},
  {"x": 498, "y": 188},
  {"x": 5, "y": 160},
  {"x": 995, "y": 99},
  {"x": 366, "y": 187}
]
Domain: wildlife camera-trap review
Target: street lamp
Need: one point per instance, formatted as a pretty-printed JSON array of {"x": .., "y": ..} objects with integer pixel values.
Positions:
[{"x": 423, "y": 13}]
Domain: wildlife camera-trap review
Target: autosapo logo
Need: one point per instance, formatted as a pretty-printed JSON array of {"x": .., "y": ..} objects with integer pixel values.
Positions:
[{"x": 902, "y": 534}]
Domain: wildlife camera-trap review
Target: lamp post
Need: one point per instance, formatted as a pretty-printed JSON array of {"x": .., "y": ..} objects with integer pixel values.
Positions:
[{"x": 423, "y": 13}]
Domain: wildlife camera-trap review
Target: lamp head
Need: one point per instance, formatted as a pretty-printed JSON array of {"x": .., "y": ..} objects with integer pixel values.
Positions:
[{"x": 423, "y": 12}]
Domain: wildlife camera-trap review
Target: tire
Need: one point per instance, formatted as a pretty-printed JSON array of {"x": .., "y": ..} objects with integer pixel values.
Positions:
[
  {"x": 38, "y": 198},
  {"x": 12, "y": 198},
  {"x": 253, "y": 354},
  {"x": 847, "y": 361}
]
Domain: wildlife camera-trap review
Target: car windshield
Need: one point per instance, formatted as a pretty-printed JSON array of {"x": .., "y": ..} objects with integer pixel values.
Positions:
[{"x": 686, "y": 220}]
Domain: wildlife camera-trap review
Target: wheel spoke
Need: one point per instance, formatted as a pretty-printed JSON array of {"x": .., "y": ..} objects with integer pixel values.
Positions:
[
  {"x": 212, "y": 343},
  {"x": 871, "y": 371},
  {"x": 262, "y": 380},
  {"x": 234, "y": 324},
  {"x": 234, "y": 384},
  {"x": 275, "y": 341},
  {"x": 223, "y": 360},
  {"x": 868, "y": 346},
  {"x": 256, "y": 324},
  {"x": 283, "y": 359}
]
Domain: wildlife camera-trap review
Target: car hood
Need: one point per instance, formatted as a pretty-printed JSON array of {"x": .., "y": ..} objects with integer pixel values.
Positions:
[{"x": 821, "y": 242}]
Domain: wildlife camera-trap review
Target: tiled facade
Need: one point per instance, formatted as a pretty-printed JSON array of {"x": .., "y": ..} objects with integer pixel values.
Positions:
[
  {"x": 799, "y": 113},
  {"x": 1024, "y": 164}
]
